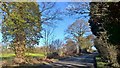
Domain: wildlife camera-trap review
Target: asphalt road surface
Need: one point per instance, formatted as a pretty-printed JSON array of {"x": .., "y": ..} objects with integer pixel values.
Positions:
[{"x": 84, "y": 61}]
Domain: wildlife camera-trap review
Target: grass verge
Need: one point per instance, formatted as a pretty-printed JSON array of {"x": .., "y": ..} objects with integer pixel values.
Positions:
[
  {"x": 100, "y": 63},
  {"x": 27, "y": 54}
]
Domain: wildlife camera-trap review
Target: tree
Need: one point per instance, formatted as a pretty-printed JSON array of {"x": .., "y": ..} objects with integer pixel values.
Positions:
[
  {"x": 56, "y": 44},
  {"x": 104, "y": 24},
  {"x": 50, "y": 15},
  {"x": 86, "y": 43},
  {"x": 21, "y": 25},
  {"x": 70, "y": 48},
  {"x": 77, "y": 30},
  {"x": 78, "y": 10},
  {"x": 48, "y": 37}
]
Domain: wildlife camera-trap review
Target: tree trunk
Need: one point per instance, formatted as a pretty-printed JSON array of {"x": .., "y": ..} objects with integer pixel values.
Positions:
[
  {"x": 20, "y": 48},
  {"x": 78, "y": 50}
]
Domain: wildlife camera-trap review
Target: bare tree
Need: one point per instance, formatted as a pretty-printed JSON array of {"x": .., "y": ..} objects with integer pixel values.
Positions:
[
  {"x": 70, "y": 47},
  {"x": 50, "y": 15},
  {"x": 80, "y": 9},
  {"x": 49, "y": 18},
  {"x": 48, "y": 37},
  {"x": 56, "y": 44},
  {"x": 77, "y": 30}
]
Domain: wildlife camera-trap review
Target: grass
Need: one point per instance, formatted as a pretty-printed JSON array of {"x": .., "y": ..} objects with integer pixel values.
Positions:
[
  {"x": 27, "y": 54},
  {"x": 100, "y": 63},
  {"x": 7, "y": 55},
  {"x": 35, "y": 54}
]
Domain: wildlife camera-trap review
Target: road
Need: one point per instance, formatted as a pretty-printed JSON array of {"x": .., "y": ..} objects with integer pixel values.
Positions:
[{"x": 84, "y": 61}]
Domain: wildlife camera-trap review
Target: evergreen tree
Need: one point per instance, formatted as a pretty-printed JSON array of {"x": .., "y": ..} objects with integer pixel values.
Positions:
[
  {"x": 21, "y": 25},
  {"x": 105, "y": 25}
]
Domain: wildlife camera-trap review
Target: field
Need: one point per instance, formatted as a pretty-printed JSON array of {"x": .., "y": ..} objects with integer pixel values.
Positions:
[{"x": 8, "y": 56}]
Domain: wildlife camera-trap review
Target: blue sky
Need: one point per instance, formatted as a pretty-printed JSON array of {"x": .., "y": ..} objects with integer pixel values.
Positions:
[{"x": 61, "y": 25}]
